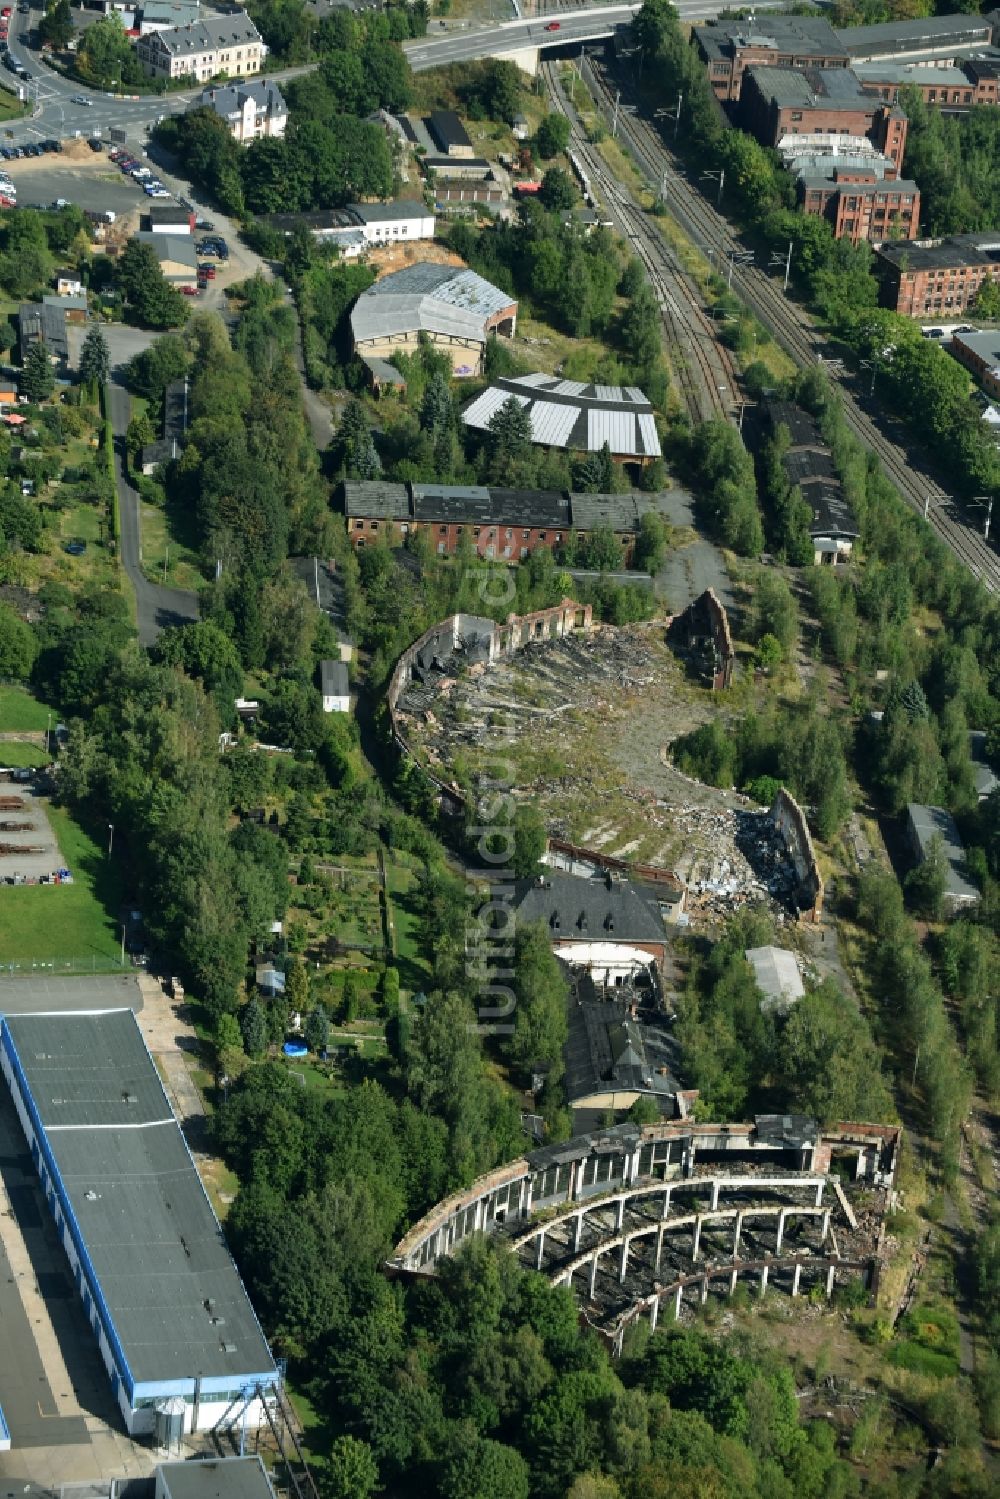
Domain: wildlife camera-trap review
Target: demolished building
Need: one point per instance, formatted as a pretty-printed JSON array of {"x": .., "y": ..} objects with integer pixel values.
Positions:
[
  {"x": 702, "y": 631},
  {"x": 790, "y": 821}
]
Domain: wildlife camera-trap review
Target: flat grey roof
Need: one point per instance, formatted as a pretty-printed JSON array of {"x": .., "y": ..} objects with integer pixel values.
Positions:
[
  {"x": 929, "y": 823},
  {"x": 334, "y": 680},
  {"x": 863, "y": 41},
  {"x": 173, "y": 1295},
  {"x": 29, "y": 996},
  {"x": 812, "y": 88},
  {"x": 217, "y": 1478},
  {"x": 985, "y": 345}
]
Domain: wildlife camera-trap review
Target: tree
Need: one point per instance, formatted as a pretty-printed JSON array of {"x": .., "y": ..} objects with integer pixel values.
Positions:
[
  {"x": 651, "y": 543},
  {"x": 28, "y": 263},
  {"x": 209, "y": 655},
  {"x": 500, "y": 91},
  {"x": 530, "y": 841},
  {"x": 926, "y": 883},
  {"x": 18, "y": 646},
  {"x": 542, "y": 1000},
  {"x": 105, "y": 55},
  {"x": 775, "y": 613},
  {"x": 552, "y": 136},
  {"x": 95, "y": 358},
  {"x": 557, "y": 192},
  {"x": 55, "y": 29},
  {"x": 827, "y": 1060},
  {"x": 37, "y": 377},
  {"x": 253, "y": 1026},
  {"x": 509, "y": 437},
  {"x": 139, "y": 432},
  {"x": 317, "y": 1029},
  {"x": 151, "y": 300},
  {"x": 437, "y": 414},
  {"x": 350, "y": 1471},
  {"x": 297, "y": 986}
]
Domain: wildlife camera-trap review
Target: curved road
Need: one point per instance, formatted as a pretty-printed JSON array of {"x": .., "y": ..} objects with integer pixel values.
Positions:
[{"x": 156, "y": 607}]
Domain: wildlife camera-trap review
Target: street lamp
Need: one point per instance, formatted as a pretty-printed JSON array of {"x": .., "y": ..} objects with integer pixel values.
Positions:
[{"x": 111, "y": 837}]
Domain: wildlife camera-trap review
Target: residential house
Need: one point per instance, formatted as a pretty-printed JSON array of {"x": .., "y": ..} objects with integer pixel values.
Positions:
[
  {"x": 228, "y": 43},
  {"x": 252, "y": 111},
  {"x": 176, "y": 254},
  {"x": 68, "y": 284},
  {"x": 175, "y": 424}
]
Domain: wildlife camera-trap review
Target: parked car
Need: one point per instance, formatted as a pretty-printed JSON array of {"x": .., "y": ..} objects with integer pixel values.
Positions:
[
  {"x": 75, "y": 548},
  {"x": 190, "y": 291},
  {"x": 208, "y": 271},
  {"x": 157, "y": 192},
  {"x": 95, "y": 144},
  {"x": 82, "y": 99},
  {"x": 203, "y": 224}
]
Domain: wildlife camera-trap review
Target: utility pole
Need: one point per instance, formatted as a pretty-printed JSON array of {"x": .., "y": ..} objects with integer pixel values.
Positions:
[
  {"x": 677, "y": 118},
  {"x": 111, "y": 838},
  {"x": 614, "y": 122},
  {"x": 985, "y": 500},
  {"x": 166, "y": 556}
]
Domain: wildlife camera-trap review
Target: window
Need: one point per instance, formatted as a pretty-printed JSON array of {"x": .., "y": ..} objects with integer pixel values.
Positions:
[
  {"x": 475, "y": 530},
  {"x": 524, "y": 552},
  {"x": 404, "y": 528},
  {"x": 359, "y": 525},
  {"x": 796, "y": 115},
  {"x": 442, "y": 530},
  {"x": 525, "y": 535},
  {"x": 506, "y": 535},
  {"x": 374, "y": 525},
  {"x": 558, "y": 536}
]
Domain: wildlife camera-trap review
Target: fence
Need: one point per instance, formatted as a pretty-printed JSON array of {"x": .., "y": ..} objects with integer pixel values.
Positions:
[{"x": 63, "y": 966}]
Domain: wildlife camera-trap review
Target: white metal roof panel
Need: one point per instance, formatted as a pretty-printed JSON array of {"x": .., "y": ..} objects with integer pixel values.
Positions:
[
  {"x": 552, "y": 424},
  {"x": 568, "y": 388},
  {"x": 616, "y": 428},
  {"x": 608, "y": 393},
  {"x": 648, "y": 435},
  {"x": 633, "y": 393},
  {"x": 533, "y": 381},
  {"x": 479, "y": 411}
]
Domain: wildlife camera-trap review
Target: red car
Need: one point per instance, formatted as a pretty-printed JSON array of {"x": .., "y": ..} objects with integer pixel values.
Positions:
[
  {"x": 554, "y": 26},
  {"x": 190, "y": 291},
  {"x": 5, "y": 11},
  {"x": 208, "y": 271}
]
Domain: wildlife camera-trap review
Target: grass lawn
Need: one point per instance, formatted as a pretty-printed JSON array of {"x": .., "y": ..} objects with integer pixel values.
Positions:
[
  {"x": 413, "y": 969},
  {"x": 160, "y": 540},
  {"x": 17, "y": 756},
  {"x": 22, "y": 713},
  {"x": 76, "y": 924}
]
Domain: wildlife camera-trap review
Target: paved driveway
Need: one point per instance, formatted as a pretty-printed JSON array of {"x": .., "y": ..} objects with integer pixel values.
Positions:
[{"x": 157, "y": 608}]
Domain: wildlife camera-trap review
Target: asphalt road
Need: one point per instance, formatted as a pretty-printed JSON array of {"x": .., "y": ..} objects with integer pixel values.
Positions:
[{"x": 156, "y": 608}]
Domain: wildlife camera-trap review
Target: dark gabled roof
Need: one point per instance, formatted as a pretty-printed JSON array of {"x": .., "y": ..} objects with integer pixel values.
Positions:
[
  {"x": 809, "y": 465},
  {"x": 799, "y": 34},
  {"x": 47, "y": 321},
  {"x": 377, "y": 499},
  {"x": 832, "y": 515},
  {"x": 448, "y": 130},
  {"x": 476, "y": 505},
  {"x": 175, "y": 1302},
  {"x": 608, "y": 909},
  {"x": 333, "y": 678},
  {"x": 175, "y": 410},
  {"x": 607, "y": 1050}
]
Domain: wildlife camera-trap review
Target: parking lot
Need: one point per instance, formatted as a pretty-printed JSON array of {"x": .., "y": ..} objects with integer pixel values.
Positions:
[
  {"x": 28, "y": 847},
  {"x": 91, "y": 180}
]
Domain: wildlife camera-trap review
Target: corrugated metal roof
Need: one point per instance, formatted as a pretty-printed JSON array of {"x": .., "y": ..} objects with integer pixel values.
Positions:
[
  {"x": 647, "y": 434},
  {"x": 531, "y": 380},
  {"x": 552, "y": 424},
  {"x": 483, "y": 407},
  {"x": 441, "y": 299},
  {"x": 616, "y": 428},
  {"x": 569, "y": 388}
]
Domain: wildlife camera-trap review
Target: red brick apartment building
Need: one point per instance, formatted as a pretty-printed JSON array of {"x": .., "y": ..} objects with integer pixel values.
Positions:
[
  {"x": 960, "y": 87},
  {"x": 936, "y": 278},
  {"x": 728, "y": 48},
  {"x": 777, "y": 102},
  {"x": 861, "y": 206},
  {"x": 508, "y": 524}
]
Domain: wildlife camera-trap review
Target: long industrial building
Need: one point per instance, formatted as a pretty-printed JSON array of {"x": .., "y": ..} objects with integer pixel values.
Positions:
[{"x": 174, "y": 1324}]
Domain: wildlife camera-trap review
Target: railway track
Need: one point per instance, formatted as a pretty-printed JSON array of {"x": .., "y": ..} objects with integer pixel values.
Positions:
[
  {"x": 705, "y": 373},
  {"x": 767, "y": 300}
]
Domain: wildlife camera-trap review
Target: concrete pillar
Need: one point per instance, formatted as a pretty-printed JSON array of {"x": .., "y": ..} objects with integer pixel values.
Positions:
[
  {"x": 654, "y": 1312},
  {"x": 795, "y": 1279},
  {"x": 666, "y": 1203},
  {"x": 593, "y": 1275},
  {"x": 620, "y": 1215},
  {"x": 697, "y": 1237},
  {"x": 571, "y": 1185},
  {"x": 678, "y": 1297},
  {"x": 578, "y": 1231},
  {"x": 704, "y": 1289},
  {"x": 825, "y": 1228},
  {"x": 732, "y": 1282},
  {"x": 763, "y": 1281},
  {"x": 781, "y": 1231},
  {"x": 819, "y": 1193},
  {"x": 861, "y": 1165},
  {"x": 829, "y": 1281},
  {"x": 659, "y": 1249},
  {"x": 541, "y": 1250},
  {"x": 715, "y": 1194},
  {"x": 737, "y": 1231},
  {"x": 623, "y": 1269},
  {"x": 478, "y": 1220},
  {"x": 527, "y": 1199}
]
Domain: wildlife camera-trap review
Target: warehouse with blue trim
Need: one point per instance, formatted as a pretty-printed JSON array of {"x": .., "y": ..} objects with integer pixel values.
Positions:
[{"x": 146, "y": 1251}]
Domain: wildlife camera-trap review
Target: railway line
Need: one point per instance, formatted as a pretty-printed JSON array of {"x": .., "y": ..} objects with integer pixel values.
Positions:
[
  {"x": 767, "y": 300},
  {"x": 705, "y": 372}
]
